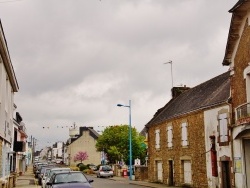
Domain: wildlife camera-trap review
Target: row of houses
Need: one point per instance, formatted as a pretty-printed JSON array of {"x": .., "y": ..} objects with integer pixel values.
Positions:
[
  {"x": 15, "y": 150},
  {"x": 201, "y": 137}
]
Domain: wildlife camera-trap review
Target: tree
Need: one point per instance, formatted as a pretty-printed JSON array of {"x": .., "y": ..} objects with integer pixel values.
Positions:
[
  {"x": 81, "y": 156},
  {"x": 115, "y": 142}
]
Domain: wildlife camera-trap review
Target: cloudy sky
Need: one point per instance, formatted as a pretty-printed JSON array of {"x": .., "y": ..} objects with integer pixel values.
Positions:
[{"x": 76, "y": 59}]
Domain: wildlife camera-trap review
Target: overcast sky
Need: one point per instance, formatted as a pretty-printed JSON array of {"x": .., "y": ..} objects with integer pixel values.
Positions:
[{"x": 76, "y": 59}]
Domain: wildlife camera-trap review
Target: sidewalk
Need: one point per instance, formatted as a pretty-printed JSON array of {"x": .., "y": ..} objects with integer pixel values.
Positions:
[
  {"x": 27, "y": 180},
  {"x": 140, "y": 183}
]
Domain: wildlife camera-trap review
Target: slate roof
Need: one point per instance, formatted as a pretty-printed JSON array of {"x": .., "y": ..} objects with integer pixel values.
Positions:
[
  {"x": 238, "y": 11},
  {"x": 240, "y": 2},
  {"x": 213, "y": 92},
  {"x": 92, "y": 133}
]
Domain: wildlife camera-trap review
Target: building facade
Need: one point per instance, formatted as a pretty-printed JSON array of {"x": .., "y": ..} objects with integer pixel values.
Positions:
[
  {"x": 180, "y": 135},
  {"x": 237, "y": 57},
  {"x": 85, "y": 142},
  {"x": 8, "y": 86}
]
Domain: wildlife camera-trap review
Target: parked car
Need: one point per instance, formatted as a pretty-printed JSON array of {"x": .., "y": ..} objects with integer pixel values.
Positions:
[
  {"x": 105, "y": 171},
  {"x": 35, "y": 165},
  {"x": 38, "y": 169},
  {"x": 71, "y": 179},
  {"x": 42, "y": 173},
  {"x": 59, "y": 161},
  {"x": 52, "y": 171},
  {"x": 46, "y": 173}
]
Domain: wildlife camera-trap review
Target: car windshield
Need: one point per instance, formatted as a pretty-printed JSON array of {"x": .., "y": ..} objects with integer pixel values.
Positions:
[
  {"x": 56, "y": 170},
  {"x": 70, "y": 178},
  {"x": 106, "y": 168}
]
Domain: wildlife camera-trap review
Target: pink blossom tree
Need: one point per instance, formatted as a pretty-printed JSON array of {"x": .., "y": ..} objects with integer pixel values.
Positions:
[{"x": 81, "y": 156}]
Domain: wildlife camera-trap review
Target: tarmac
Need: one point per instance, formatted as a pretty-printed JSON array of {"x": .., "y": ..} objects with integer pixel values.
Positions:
[{"x": 27, "y": 180}]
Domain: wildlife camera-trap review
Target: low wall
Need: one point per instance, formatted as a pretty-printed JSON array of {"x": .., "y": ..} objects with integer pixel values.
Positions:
[{"x": 141, "y": 173}]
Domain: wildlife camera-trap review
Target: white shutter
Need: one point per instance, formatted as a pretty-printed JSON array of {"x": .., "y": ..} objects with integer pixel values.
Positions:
[
  {"x": 223, "y": 130},
  {"x": 184, "y": 134},
  {"x": 170, "y": 136},
  {"x": 157, "y": 139}
]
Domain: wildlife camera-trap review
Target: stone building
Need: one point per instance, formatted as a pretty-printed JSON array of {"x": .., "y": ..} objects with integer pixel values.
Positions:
[
  {"x": 237, "y": 57},
  {"x": 183, "y": 135}
]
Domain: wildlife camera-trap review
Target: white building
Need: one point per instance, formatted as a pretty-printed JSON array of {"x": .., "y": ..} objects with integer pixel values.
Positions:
[{"x": 8, "y": 86}]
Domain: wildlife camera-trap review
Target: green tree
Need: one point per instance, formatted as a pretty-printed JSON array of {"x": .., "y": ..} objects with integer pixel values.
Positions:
[{"x": 115, "y": 142}]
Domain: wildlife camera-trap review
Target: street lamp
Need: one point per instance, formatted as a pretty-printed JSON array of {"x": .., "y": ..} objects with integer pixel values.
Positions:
[{"x": 130, "y": 138}]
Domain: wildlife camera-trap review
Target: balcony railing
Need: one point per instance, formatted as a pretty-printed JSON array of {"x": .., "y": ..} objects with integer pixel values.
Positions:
[{"x": 243, "y": 113}]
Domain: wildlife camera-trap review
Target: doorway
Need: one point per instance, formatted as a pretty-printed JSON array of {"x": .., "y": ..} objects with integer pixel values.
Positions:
[
  {"x": 225, "y": 174},
  {"x": 246, "y": 144},
  {"x": 171, "y": 173}
]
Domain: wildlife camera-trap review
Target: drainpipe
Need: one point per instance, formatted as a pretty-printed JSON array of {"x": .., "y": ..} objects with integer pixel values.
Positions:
[
  {"x": 231, "y": 126},
  {"x": 213, "y": 157}
]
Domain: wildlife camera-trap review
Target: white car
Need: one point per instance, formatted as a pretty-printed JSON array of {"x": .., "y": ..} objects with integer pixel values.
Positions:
[
  {"x": 105, "y": 171},
  {"x": 50, "y": 173},
  {"x": 59, "y": 161}
]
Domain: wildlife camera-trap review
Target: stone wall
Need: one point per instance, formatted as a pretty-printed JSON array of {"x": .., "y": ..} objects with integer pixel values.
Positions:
[
  {"x": 141, "y": 173},
  {"x": 194, "y": 152},
  {"x": 241, "y": 61}
]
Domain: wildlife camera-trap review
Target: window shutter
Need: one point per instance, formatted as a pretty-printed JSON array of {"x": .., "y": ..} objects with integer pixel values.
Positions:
[
  {"x": 157, "y": 139},
  {"x": 223, "y": 129},
  {"x": 184, "y": 134},
  {"x": 170, "y": 136}
]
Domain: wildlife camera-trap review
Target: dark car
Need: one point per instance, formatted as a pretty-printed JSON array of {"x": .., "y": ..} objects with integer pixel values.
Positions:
[
  {"x": 42, "y": 172},
  {"x": 71, "y": 179},
  {"x": 38, "y": 169}
]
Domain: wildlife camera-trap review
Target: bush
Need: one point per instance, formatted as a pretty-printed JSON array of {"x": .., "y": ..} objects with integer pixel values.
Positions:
[
  {"x": 79, "y": 164},
  {"x": 82, "y": 167}
]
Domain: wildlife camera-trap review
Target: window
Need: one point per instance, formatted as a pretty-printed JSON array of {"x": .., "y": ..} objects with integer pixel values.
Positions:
[
  {"x": 223, "y": 128},
  {"x": 184, "y": 136},
  {"x": 157, "y": 139},
  {"x": 169, "y": 136}
]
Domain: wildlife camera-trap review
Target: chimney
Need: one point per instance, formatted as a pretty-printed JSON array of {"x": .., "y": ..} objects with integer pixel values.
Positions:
[{"x": 176, "y": 91}]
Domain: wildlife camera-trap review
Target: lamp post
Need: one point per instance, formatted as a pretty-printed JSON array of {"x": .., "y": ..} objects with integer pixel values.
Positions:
[{"x": 130, "y": 138}]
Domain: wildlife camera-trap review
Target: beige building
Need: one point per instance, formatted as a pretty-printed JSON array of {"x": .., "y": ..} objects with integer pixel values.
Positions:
[
  {"x": 179, "y": 151},
  {"x": 85, "y": 141}
]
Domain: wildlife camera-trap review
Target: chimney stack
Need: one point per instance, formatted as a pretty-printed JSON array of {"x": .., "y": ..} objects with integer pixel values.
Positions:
[{"x": 176, "y": 91}]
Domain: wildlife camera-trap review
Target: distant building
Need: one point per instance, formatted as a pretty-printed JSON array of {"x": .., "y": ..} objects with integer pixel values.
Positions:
[{"x": 84, "y": 141}]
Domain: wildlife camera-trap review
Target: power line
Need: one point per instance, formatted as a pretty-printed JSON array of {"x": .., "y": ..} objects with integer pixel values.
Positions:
[{"x": 10, "y": 1}]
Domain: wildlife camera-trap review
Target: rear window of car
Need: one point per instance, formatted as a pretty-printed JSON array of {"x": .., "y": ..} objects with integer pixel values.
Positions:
[{"x": 106, "y": 168}]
